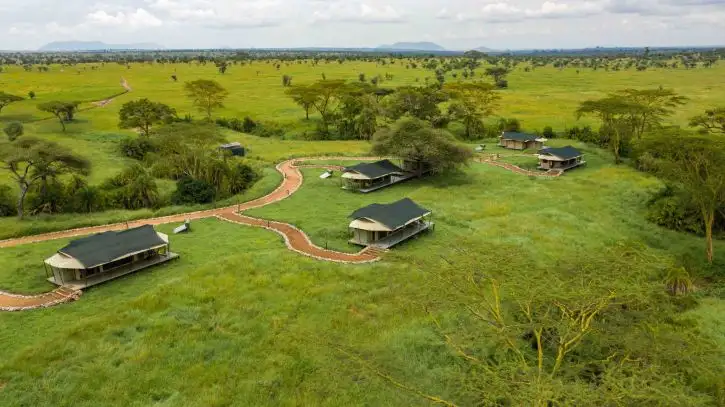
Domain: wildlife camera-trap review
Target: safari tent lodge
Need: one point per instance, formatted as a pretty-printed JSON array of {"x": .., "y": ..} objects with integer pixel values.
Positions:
[
  {"x": 385, "y": 225},
  {"x": 235, "y": 149},
  {"x": 562, "y": 158},
  {"x": 105, "y": 256},
  {"x": 369, "y": 177},
  {"x": 520, "y": 141}
]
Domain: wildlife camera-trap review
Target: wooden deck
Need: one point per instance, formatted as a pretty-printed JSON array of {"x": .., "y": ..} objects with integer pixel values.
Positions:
[
  {"x": 397, "y": 237},
  {"x": 394, "y": 180},
  {"x": 568, "y": 167},
  {"x": 113, "y": 274}
]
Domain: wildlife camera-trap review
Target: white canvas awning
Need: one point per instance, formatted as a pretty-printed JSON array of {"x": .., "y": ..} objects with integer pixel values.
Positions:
[
  {"x": 355, "y": 175},
  {"x": 370, "y": 225}
]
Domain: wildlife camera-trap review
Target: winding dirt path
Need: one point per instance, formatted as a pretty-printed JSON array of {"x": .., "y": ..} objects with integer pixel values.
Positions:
[
  {"x": 517, "y": 169},
  {"x": 295, "y": 239}
]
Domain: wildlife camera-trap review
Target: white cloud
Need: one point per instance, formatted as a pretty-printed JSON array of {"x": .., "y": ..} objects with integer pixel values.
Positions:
[
  {"x": 504, "y": 12},
  {"x": 289, "y": 23},
  {"x": 356, "y": 13},
  {"x": 138, "y": 18}
]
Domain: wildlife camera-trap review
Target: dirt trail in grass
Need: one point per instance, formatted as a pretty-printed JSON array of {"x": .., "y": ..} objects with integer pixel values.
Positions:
[
  {"x": 517, "y": 169},
  {"x": 295, "y": 239}
]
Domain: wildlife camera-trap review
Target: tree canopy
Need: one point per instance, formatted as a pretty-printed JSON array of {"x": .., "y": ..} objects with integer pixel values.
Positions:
[
  {"x": 305, "y": 96},
  {"x": 6, "y": 99},
  {"x": 14, "y": 130},
  {"x": 64, "y": 111},
  {"x": 143, "y": 114},
  {"x": 696, "y": 164},
  {"x": 30, "y": 160},
  {"x": 206, "y": 95},
  {"x": 415, "y": 140},
  {"x": 712, "y": 121}
]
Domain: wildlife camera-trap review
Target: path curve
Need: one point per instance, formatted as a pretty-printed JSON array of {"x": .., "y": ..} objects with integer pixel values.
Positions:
[
  {"x": 519, "y": 170},
  {"x": 295, "y": 239}
]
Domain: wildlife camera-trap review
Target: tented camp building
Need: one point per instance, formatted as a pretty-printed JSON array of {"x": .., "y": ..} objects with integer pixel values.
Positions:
[
  {"x": 520, "y": 141},
  {"x": 369, "y": 177},
  {"x": 104, "y": 256},
  {"x": 562, "y": 158},
  {"x": 385, "y": 225}
]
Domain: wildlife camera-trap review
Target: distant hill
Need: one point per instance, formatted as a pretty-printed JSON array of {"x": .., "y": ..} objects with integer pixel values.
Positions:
[
  {"x": 95, "y": 46},
  {"x": 412, "y": 46},
  {"x": 484, "y": 49}
]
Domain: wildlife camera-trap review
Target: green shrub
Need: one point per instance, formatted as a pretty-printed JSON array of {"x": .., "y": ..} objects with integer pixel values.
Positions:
[
  {"x": 268, "y": 129},
  {"x": 241, "y": 176},
  {"x": 7, "y": 201},
  {"x": 675, "y": 211},
  {"x": 548, "y": 132},
  {"x": 14, "y": 130},
  {"x": 192, "y": 191},
  {"x": 137, "y": 147}
]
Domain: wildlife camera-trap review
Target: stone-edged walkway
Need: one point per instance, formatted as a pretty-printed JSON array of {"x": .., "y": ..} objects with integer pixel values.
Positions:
[{"x": 295, "y": 239}]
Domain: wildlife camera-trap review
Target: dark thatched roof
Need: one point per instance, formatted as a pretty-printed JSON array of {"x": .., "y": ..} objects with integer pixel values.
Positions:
[
  {"x": 518, "y": 136},
  {"x": 105, "y": 247},
  {"x": 376, "y": 170},
  {"x": 394, "y": 215},
  {"x": 565, "y": 153}
]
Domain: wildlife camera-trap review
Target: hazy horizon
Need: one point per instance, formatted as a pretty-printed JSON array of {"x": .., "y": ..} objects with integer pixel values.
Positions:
[{"x": 453, "y": 24}]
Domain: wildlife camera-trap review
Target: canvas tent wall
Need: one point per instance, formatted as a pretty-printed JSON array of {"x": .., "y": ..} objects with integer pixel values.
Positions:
[
  {"x": 385, "y": 225},
  {"x": 103, "y": 253},
  {"x": 520, "y": 141},
  {"x": 562, "y": 158}
]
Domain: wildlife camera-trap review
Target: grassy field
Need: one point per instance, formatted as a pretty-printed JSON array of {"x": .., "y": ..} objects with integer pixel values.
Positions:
[{"x": 239, "y": 320}]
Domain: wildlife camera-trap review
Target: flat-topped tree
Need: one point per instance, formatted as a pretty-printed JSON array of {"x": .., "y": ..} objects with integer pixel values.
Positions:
[
  {"x": 304, "y": 96},
  {"x": 6, "y": 99},
  {"x": 143, "y": 114},
  {"x": 206, "y": 95},
  {"x": 30, "y": 160},
  {"x": 64, "y": 111},
  {"x": 710, "y": 122},
  {"x": 415, "y": 140}
]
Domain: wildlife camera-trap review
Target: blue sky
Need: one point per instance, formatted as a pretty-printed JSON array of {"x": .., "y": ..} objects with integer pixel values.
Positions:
[{"x": 455, "y": 24}]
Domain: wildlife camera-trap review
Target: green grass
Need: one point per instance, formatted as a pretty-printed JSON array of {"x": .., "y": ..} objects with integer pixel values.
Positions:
[{"x": 240, "y": 320}]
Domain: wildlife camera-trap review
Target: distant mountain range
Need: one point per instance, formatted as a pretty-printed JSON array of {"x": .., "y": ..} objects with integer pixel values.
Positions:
[
  {"x": 412, "y": 46},
  {"x": 96, "y": 46}
]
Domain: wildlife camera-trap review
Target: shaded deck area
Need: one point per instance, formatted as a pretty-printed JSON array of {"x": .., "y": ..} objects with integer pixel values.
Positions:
[
  {"x": 115, "y": 273},
  {"x": 395, "y": 179},
  {"x": 563, "y": 168},
  {"x": 399, "y": 236}
]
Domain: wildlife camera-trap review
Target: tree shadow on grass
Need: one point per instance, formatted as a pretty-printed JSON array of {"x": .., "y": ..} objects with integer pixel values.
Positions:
[
  {"x": 450, "y": 179},
  {"x": 8, "y": 118}
]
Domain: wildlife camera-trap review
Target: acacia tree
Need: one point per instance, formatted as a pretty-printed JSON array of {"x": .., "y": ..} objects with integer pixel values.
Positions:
[
  {"x": 64, "y": 111},
  {"x": 206, "y": 95},
  {"x": 498, "y": 73},
  {"x": 30, "y": 160},
  {"x": 328, "y": 98},
  {"x": 14, "y": 130},
  {"x": 618, "y": 120},
  {"x": 712, "y": 121},
  {"x": 419, "y": 102},
  {"x": 473, "y": 101},
  {"x": 305, "y": 96},
  {"x": 652, "y": 107},
  {"x": 415, "y": 140},
  {"x": 695, "y": 164},
  {"x": 6, "y": 99},
  {"x": 144, "y": 113}
]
